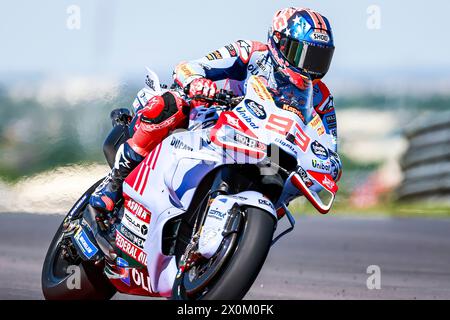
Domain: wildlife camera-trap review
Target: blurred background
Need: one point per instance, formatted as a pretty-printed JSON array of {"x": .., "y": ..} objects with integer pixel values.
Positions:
[{"x": 65, "y": 65}]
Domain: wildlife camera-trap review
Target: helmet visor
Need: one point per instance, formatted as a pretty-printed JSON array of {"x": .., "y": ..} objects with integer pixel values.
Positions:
[{"x": 303, "y": 55}]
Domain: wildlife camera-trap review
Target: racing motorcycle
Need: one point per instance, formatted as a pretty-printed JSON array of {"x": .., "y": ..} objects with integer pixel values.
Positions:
[{"x": 199, "y": 213}]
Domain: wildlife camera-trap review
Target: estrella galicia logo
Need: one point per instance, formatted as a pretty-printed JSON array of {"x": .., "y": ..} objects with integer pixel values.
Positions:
[
  {"x": 255, "y": 109},
  {"x": 319, "y": 150}
]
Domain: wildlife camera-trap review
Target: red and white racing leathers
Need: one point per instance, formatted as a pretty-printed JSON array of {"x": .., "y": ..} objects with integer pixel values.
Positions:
[{"x": 236, "y": 62}]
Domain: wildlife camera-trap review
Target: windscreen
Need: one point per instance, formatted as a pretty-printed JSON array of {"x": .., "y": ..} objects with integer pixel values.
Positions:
[{"x": 296, "y": 100}]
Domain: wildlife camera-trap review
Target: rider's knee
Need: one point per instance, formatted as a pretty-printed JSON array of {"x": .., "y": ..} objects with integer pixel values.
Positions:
[{"x": 161, "y": 108}]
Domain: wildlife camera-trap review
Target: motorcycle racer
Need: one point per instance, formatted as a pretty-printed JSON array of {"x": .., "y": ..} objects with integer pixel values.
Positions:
[{"x": 299, "y": 50}]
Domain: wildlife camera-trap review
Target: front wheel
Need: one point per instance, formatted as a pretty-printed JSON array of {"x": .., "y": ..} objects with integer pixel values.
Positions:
[
  {"x": 237, "y": 275},
  {"x": 65, "y": 276}
]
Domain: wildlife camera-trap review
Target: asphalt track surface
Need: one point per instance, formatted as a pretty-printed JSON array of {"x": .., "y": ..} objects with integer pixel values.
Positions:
[{"x": 323, "y": 258}]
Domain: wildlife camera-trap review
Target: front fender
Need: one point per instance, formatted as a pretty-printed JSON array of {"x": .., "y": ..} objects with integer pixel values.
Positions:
[
  {"x": 253, "y": 199},
  {"x": 218, "y": 213}
]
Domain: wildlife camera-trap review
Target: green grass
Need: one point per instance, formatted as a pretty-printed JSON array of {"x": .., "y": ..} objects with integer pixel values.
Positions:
[{"x": 387, "y": 209}]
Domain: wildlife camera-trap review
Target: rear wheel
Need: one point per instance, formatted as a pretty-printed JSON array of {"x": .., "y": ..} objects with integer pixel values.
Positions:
[
  {"x": 66, "y": 277},
  {"x": 229, "y": 277}
]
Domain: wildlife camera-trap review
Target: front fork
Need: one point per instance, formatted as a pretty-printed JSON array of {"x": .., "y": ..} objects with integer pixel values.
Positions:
[{"x": 222, "y": 185}]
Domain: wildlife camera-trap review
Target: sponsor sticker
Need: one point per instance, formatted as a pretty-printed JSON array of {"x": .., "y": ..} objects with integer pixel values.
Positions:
[
  {"x": 134, "y": 224},
  {"x": 261, "y": 65},
  {"x": 150, "y": 83},
  {"x": 320, "y": 131},
  {"x": 261, "y": 90},
  {"x": 138, "y": 210},
  {"x": 141, "y": 280},
  {"x": 231, "y": 50},
  {"x": 294, "y": 111},
  {"x": 331, "y": 118},
  {"x": 86, "y": 246},
  {"x": 186, "y": 70},
  {"x": 233, "y": 121},
  {"x": 255, "y": 109},
  {"x": 325, "y": 166},
  {"x": 286, "y": 144},
  {"x": 319, "y": 150},
  {"x": 138, "y": 241},
  {"x": 265, "y": 203},
  {"x": 178, "y": 144},
  {"x": 216, "y": 214},
  {"x": 325, "y": 180},
  {"x": 130, "y": 249},
  {"x": 76, "y": 207},
  {"x": 215, "y": 55},
  {"x": 321, "y": 37},
  {"x": 243, "y": 113},
  {"x": 248, "y": 142},
  {"x": 239, "y": 197},
  {"x": 331, "y": 121},
  {"x": 244, "y": 50},
  {"x": 328, "y": 183},
  {"x": 122, "y": 263},
  {"x": 333, "y": 132},
  {"x": 304, "y": 176},
  {"x": 327, "y": 106},
  {"x": 253, "y": 70},
  {"x": 316, "y": 124}
]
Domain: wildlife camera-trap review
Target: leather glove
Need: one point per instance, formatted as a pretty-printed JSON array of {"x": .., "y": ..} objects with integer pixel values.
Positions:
[{"x": 204, "y": 87}]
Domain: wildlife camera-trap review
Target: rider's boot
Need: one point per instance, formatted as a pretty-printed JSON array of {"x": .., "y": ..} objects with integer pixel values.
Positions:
[{"x": 109, "y": 191}]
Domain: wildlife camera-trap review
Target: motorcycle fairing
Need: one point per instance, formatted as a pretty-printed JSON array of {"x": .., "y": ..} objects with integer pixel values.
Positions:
[{"x": 165, "y": 182}]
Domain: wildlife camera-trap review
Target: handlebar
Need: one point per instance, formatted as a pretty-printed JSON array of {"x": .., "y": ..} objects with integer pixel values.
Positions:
[{"x": 223, "y": 97}]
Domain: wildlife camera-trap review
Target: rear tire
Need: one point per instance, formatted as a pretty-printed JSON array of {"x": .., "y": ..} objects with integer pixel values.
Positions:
[{"x": 245, "y": 264}]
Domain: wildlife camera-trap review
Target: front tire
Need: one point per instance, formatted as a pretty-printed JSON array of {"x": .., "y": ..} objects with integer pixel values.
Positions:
[
  {"x": 94, "y": 285},
  {"x": 244, "y": 265}
]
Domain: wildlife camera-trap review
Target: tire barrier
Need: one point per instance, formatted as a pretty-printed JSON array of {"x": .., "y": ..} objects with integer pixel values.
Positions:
[{"x": 426, "y": 163}]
